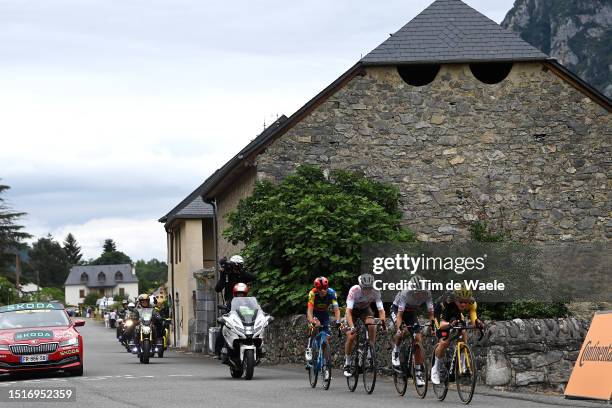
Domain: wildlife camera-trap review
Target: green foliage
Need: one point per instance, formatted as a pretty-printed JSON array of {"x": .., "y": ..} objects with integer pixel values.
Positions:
[
  {"x": 110, "y": 255},
  {"x": 73, "y": 250},
  {"x": 46, "y": 294},
  {"x": 481, "y": 232},
  {"x": 308, "y": 226},
  {"x": 522, "y": 310},
  {"x": 8, "y": 293},
  {"x": 90, "y": 299},
  {"x": 151, "y": 274},
  {"x": 11, "y": 233},
  {"x": 48, "y": 258},
  {"x": 109, "y": 245}
]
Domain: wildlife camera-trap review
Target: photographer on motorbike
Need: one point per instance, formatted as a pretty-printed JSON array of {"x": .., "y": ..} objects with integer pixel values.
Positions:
[{"x": 231, "y": 273}]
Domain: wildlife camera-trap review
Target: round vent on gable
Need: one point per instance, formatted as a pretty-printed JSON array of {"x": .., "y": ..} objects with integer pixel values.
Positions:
[
  {"x": 491, "y": 72},
  {"x": 418, "y": 75}
]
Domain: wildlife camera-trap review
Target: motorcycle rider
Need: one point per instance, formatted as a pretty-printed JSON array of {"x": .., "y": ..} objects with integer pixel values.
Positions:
[
  {"x": 240, "y": 290},
  {"x": 231, "y": 273},
  {"x": 156, "y": 320},
  {"x": 358, "y": 307},
  {"x": 404, "y": 310}
]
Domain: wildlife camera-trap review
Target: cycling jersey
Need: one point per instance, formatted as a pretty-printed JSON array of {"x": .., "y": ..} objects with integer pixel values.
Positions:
[
  {"x": 410, "y": 300},
  {"x": 448, "y": 311},
  {"x": 321, "y": 304},
  {"x": 360, "y": 299}
]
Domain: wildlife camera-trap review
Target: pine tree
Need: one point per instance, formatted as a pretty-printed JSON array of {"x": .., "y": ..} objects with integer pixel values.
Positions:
[
  {"x": 10, "y": 233},
  {"x": 109, "y": 245},
  {"x": 72, "y": 249}
]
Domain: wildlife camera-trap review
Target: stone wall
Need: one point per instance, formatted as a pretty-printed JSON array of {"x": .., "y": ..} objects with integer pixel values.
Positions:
[
  {"x": 538, "y": 353},
  {"x": 531, "y": 152}
]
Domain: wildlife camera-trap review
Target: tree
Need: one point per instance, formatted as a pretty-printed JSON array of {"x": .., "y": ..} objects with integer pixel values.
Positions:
[
  {"x": 90, "y": 299},
  {"x": 110, "y": 255},
  {"x": 109, "y": 246},
  {"x": 151, "y": 274},
  {"x": 72, "y": 249},
  {"x": 309, "y": 225},
  {"x": 11, "y": 233},
  {"x": 49, "y": 259},
  {"x": 8, "y": 292}
]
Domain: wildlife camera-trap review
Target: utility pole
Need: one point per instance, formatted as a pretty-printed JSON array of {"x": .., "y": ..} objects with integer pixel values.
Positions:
[{"x": 37, "y": 285}]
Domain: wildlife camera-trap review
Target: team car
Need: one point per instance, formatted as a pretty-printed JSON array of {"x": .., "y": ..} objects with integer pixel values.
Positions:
[{"x": 39, "y": 336}]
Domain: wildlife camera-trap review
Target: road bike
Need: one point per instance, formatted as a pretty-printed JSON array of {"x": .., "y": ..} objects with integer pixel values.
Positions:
[
  {"x": 321, "y": 360},
  {"x": 363, "y": 360},
  {"x": 457, "y": 365},
  {"x": 407, "y": 367}
]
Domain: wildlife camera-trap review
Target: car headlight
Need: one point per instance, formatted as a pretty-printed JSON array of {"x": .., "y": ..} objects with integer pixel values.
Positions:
[
  {"x": 70, "y": 342},
  {"x": 4, "y": 347}
]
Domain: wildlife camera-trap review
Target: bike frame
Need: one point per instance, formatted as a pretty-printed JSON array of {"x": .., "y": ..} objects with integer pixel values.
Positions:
[{"x": 320, "y": 339}]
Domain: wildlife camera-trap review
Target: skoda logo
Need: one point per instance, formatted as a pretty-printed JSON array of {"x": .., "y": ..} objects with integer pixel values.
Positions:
[{"x": 34, "y": 342}]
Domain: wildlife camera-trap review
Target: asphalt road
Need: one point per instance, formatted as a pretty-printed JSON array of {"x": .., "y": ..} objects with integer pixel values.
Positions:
[{"x": 114, "y": 378}]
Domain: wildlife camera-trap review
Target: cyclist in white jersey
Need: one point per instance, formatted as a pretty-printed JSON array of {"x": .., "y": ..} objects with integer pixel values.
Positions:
[
  {"x": 358, "y": 307},
  {"x": 403, "y": 310}
]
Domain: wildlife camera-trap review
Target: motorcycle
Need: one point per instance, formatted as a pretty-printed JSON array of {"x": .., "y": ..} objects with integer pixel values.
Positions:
[
  {"x": 165, "y": 338},
  {"x": 127, "y": 333},
  {"x": 148, "y": 344},
  {"x": 243, "y": 332}
]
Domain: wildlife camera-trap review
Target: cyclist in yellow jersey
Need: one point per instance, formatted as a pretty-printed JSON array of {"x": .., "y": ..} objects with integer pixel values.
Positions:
[{"x": 448, "y": 313}]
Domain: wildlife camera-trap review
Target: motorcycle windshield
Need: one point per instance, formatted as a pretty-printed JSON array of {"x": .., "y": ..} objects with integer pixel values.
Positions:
[
  {"x": 146, "y": 315},
  {"x": 246, "y": 307}
]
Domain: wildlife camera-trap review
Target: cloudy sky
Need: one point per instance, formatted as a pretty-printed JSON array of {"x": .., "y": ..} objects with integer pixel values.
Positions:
[{"x": 112, "y": 111}]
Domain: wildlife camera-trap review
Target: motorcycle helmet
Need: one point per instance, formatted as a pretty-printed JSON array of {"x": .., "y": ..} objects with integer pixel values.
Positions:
[
  {"x": 321, "y": 283},
  {"x": 131, "y": 305},
  {"x": 366, "y": 281},
  {"x": 240, "y": 289},
  {"x": 237, "y": 260},
  {"x": 142, "y": 298}
]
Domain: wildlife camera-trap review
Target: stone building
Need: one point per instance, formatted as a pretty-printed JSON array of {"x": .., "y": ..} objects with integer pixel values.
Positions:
[{"x": 466, "y": 119}]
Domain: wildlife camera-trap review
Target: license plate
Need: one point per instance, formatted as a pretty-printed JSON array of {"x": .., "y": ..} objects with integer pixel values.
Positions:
[{"x": 35, "y": 358}]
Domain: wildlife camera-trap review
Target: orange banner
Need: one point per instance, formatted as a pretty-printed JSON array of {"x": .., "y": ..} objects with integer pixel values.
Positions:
[{"x": 592, "y": 374}]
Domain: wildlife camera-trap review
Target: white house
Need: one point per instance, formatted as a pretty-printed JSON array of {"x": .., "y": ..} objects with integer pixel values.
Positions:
[{"x": 103, "y": 280}]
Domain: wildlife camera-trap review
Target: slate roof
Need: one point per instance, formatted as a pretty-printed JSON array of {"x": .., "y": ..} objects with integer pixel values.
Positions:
[
  {"x": 92, "y": 271},
  {"x": 451, "y": 31}
]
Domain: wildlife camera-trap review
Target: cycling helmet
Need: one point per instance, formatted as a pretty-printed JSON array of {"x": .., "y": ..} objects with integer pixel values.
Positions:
[
  {"x": 415, "y": 283},
  {"x": 463, "y": 293},
  {"x": 366, "y": 281},
  {"x": 321, "y": 283},
  {"x": 240, "y": 288},
  {"x": 237, "y": 259}
]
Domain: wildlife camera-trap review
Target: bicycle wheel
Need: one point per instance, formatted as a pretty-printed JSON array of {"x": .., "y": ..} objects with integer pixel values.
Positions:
[
  {"x": 313, "y": 370},
  {"x": 466, "y": 374},
  {"x": 327, "y": 374},
  {"x": 369, "y": 368},
  {"x": 400, "y": 374},
  {"x": 352, "y": 381},
  {"x": 421, "y": 390},
  {"x": 441, "y": 389}
]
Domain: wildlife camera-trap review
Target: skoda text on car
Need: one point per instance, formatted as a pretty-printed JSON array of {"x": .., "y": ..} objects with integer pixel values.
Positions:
[{"x": 39, "y": 336}]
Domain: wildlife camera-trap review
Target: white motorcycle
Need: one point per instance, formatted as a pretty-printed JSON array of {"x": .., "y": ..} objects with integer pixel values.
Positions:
[{"x": 243, "y": 332}]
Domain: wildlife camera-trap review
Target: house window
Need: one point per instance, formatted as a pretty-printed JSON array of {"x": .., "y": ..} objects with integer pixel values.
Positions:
[
  {"x": 81, "y": 293},
  {"x": 491, "y": 72},
  {"x": 84, "y": 277},
  {"x": 177, "y": 245},
  {"x": 102, "y": 292},
  {"x": 101, "y": 277},
  {"x": 118, "y": 276},
  {"x": 418, "y": 75},
  {"x": 122, "y": 292}
]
